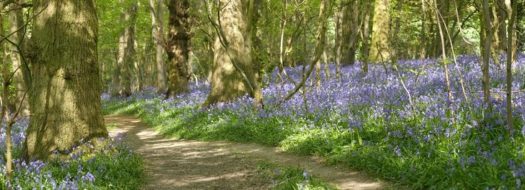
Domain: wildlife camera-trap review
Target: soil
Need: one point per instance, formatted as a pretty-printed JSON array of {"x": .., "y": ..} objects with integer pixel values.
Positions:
[{"x": 187, "y": 164}]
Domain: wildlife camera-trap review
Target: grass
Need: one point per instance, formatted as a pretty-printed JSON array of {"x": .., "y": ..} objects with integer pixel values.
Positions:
[
  {"x": 433, "y": 154},
  {"x": 114, "y": 167},
  {"x": 287, "y": 178}
]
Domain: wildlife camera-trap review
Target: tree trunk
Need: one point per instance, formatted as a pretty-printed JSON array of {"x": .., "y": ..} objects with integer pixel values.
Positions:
[
  {"x": 138, "y": 68},
  {"x": 178, "y": 47},
  {"x": 500, "y": 33},
  {"x": 350, "y": 28},
  {"x": 366, "y": 33},
  {"x": 65, "y": 99},
  {"x": 486, "y": 31},
  {"x": 380, "y": 47},
  {"x": 115, "y": 77},
  {"x": 320, "y": 37},
  {"x": 126, "y": 53},
  {"x": 5, "y": 96},
  {"x": 156, "y": 11},
  {"x": 233, "y": 72},
  {"x": 21, "y": 78},
  {"x": 442, "y": 30},
  {"x": 512, "y": 9},
  {"x": 338, "y": 37},
  {"x": 255, "y": 43}
]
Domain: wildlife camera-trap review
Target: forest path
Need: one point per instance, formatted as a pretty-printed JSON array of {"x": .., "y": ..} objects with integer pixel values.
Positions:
[{"x": 186, "y": 164}]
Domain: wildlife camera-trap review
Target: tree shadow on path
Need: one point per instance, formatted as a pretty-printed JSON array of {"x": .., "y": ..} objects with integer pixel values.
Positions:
[{"x": 183, "y": 164}]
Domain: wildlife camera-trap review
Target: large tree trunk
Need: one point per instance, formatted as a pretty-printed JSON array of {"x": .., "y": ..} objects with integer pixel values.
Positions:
[
  {"x": 156, "y": 10},
  {"x": 178, "y": 47},
  {"x": 126, "y": 53},
  {"x": 65, "y": 97},
  {"x": 380, "y": 47},
  {"x": 252, "y": 12},
  {"x": 233, "y": 72}
]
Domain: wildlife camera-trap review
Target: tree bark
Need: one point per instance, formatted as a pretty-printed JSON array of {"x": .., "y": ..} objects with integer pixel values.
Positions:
[
  {"x": 368, "y": 14},
  {"x": 156, "y": 11},
  {"x": 233, "y": 72},
  {"x": 349, "y": 31},
  {"x": 486, "y": 31},
  {"x": 512, "y": 9},
  {"x": 126, "y": 53},
  {"x": 338, "y": 37},
  {"x": 178, "y": 47},
  {"x": 21, "y": 78},
  {"x": 319, "y": 47},
  {"x": 65, "y": 97},
  {"x": 380, "y": 47}
]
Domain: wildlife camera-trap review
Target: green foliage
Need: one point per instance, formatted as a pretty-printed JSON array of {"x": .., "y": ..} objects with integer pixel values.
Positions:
[
  {"x": 436, "y": 155},
  {"x": 115, "y": 167},
  {"x": 188, "y": 123},
  {"x": 286, "y": 178}
]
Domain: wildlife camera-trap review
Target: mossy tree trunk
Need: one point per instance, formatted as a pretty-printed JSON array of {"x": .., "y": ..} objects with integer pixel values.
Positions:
[
  {"x": 233, "y": 73},
  {"x": 65, "y": 97},
  {"x": 178, "y": 47}
]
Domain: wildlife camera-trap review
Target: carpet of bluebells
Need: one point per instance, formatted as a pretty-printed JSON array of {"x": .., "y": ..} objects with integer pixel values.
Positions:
[
  {"x": 114, "y": 167},
  {"x": 416, "y": 136}
]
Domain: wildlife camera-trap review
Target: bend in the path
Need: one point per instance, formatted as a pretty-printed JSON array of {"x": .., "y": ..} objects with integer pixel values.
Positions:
[{"x": 185, "y": 164}]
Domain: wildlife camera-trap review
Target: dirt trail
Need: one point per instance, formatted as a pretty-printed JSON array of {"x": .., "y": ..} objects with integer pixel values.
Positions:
[{"x": 185, "y": 164}]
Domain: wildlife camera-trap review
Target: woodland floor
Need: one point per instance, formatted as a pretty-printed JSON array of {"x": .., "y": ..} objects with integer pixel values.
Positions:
[{"x": 185, "y": 164}]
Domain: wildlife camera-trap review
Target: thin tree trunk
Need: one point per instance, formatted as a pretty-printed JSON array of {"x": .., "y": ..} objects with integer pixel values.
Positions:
[
  {"x": 5, "y": 98},
  {"x": 326, "y": 64},
  {"x": 138, "y": 68},
  {"x": 441, "y": 24},
  {"x": 486, "y": 46},
  {"x": 282, "y": 55},
  {"x": 115, "y": 77},
  {"x": 65, "y": 100},
  {"x": 318, "y": 74},
  {"x": 366, "y": 32},
  {"x": 21, "y": 76},
  {"x": 338, "y": 38},
  {"x": 512, "y": 10},
  {"x": 423, "y": 34},
  {"x": 320, "y": 44}
]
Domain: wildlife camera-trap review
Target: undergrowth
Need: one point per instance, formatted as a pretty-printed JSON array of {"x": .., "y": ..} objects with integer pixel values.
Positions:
[
  {"x": 290, "y": 178},
  {"x": 473, "y": 153}
]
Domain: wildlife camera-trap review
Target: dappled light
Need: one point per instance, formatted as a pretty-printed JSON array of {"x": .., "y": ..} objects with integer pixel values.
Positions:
[
  {"x": 253, "y": 94},
  {"x": 208, "y": 165}
]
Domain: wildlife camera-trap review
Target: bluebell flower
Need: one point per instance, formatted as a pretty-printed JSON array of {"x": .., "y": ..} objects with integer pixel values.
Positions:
[{"x": 88, "y": 177}]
